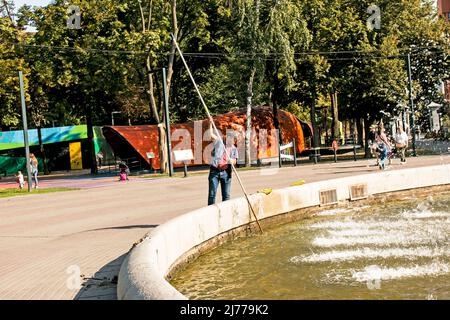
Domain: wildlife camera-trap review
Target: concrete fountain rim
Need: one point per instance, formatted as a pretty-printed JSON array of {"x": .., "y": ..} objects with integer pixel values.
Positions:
[{"x": 151, "y": 260}]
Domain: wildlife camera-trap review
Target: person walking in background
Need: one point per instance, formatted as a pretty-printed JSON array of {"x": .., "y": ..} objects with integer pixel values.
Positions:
[
  {"x": 20, "y": 180},
  {"x": 382, "y": 138},
  {"x": 383, "y": 155},
  {"x": 34, "y": 169},
  {"x": 220, "y": 168},
  {"x": 372, "y": 140},
  {"x": 100, "y": 157},
  {"x": 401, "y": 143}
]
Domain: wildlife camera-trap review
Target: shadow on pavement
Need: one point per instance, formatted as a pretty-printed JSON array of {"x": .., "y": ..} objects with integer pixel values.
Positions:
[
  {"x": 138, "y": 226},
  {"x": 103, "y": 285},
  {"x": 340, "y": 172}
]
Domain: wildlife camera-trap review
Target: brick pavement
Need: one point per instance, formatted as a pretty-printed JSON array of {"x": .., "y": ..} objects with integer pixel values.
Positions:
[{"x": 41, "y": 236}]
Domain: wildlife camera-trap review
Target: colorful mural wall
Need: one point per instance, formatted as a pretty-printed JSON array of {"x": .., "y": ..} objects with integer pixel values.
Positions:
[{"x": 12, "y": 145}]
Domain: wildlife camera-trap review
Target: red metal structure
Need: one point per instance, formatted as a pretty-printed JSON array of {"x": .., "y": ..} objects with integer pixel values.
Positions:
[
  {"x": 444, "y": 8},
  {"x": 137, "y": 141}
]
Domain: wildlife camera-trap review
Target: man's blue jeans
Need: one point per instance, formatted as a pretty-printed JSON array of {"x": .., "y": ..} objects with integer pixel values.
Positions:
[{"x": 215, "y": 177}]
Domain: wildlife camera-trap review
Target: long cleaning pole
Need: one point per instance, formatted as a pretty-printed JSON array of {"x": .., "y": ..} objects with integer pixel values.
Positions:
[{"x": 216, "y": 131}]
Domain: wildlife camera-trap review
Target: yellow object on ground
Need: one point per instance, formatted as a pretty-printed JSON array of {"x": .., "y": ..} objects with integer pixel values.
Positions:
[
  {"x": 298, "y": 183},
  {"x": 265, "y": 191}
]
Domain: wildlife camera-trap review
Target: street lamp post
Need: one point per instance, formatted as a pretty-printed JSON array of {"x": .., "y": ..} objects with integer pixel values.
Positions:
[{"x": 25, "y": 130}]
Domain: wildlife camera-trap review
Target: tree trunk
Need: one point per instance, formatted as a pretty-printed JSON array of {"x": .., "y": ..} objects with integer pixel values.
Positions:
[
  {"x": 335, "y": 115},
  {"x": 153, "y": 107},
  {"x": 315, "y": 139},
  {"x": 366, "y": 138},
  {"x": 345, "y": 131},
  {"x": 161, "y": 129},
  {"x": 353, "y": 130},
  {"x": 151, "y": 94},
  {"x": 41, "y": 148},
  {"x": 325, "y": 124},
  {"x": 90, "y": 136},
  {"x": 173, "y": 6},
  {"x": 148, "y": 65},
  {"x": 359, "y": 128},
  {"x": 248, "y": 128},
  {"x": 164, "y": 168},
  {"x": 276, "y": 122},
  {"x": 9, "y": 11},
  {"x": 274, "y": 98}
]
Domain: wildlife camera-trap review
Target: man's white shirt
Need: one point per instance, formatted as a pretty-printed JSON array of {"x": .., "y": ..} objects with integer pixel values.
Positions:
[{"x": 401, "y": 138}]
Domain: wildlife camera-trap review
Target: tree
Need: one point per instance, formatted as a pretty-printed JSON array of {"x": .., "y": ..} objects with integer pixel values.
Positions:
[
  {"x": 425, "y": 37},
  {"x": 82, "y": 68},
  {"x": 10, "y": 62},
  {"x": 262, "y": 52},
  {"x": 288, "y": 53}
]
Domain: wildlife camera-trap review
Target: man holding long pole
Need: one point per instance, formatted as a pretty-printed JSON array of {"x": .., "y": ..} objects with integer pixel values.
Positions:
[
  {"x": 220, "y": 168},
  {"x": 216, "y": 131}
]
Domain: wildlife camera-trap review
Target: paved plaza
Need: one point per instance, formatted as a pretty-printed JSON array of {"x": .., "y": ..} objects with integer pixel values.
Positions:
[{"x": 45, "y": 239}]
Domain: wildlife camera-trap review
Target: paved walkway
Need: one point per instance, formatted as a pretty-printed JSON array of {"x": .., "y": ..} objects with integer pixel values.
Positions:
[
  {"x": 45, "y": 238},
  {"x": 75, "y": 179}
]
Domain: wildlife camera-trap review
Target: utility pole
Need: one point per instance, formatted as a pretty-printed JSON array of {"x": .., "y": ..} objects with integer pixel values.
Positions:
[
  {"x": 411, "y": 105},
  {"x": 25, "y": 130},
  {"x": 167, "y": 122}
]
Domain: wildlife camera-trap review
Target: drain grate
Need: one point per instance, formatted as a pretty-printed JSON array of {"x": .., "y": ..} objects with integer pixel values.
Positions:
[
  {"x": 358, "y": 191},
  {"x": 328, "y": 197}
]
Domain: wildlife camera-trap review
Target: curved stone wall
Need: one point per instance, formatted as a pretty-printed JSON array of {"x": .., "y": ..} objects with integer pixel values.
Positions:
[{"x": 144, "y": 270}]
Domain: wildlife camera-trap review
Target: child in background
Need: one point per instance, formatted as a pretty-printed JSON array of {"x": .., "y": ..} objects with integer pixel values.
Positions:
[
  {"x": 20, "y": 180},
  {"x": 383, "y": 155},
  {"x": 123, "y": 176},
  {"x": 124, "y": 172}
]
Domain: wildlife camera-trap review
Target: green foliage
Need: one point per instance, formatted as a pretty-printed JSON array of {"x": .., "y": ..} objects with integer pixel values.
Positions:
[
  {"x": 6, "y": 193},
  {"x": 291, "y": 44},
  {"x": 10, "y": 63}
]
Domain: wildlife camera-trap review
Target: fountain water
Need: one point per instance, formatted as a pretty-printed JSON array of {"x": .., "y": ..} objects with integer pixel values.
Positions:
[{"x": 391, "y": 250}]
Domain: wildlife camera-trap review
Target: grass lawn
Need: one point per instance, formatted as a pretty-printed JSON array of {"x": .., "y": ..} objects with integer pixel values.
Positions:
[{"x": 4, "y": 193}]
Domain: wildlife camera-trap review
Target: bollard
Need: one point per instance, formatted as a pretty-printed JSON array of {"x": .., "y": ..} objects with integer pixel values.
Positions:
[
  {"x": 151, "y": 165},
  {"x": 335, "y": 155},
  {"x": 279, "y": 155},
  {"x": 185, "y": 169},
  {"x": 295, "y": 152}
]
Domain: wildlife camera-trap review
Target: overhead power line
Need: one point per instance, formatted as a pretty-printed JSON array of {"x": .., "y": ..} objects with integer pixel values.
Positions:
[{"x": 249, "y": 55}]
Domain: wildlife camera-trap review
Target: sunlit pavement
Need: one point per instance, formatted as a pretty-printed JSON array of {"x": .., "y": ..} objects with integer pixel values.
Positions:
[{"x": 45, "y": 239}]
